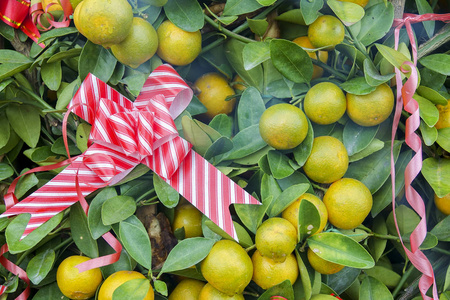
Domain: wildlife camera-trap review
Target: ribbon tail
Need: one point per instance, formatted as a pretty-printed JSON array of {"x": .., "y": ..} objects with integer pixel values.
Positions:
[
  {"x": 16, "y": 270},
  {"x": 30, "y": 29}
]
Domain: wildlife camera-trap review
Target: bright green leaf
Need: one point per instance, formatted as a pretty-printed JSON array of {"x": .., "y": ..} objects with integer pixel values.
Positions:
[
  {"x": 117, "y": 209},
  {"x": 135, "y": 239},
  {"x": 371, "y": 288},
  {"x": 40, "y": 265},
  {"x": 80, "y": 233},
  {"x": 186, "y": 14},
  {"x": 166, "y": 193},
  {"x": 349, "y": 13},
  {"x": 255, "y": 54},
  {"x": 437, "y": 62},
  {"x": 437, "y": 173},
  {"x": 134, "y": 289}
]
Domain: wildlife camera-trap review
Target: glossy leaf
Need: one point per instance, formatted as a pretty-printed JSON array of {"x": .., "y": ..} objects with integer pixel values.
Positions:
[
  {"x": 255, "y": 54},
  {"x": 302, "y": 151},
  {"x": 250, "y": 108},
  {"x": 357, "y": 86},
  {"x": 440, "y": 231},
  {"x": 7, "y": 70},
  {"x": 443, "y": 138},
  {"x": 308, "y": 219},
  {"x": 258, "y": 27},
  {"x": 95, "y": 223},
  {"x": 220, "y": 146},
  {"x": 52, "y": 74},
  {"x": 186, "y": 14},
  {"x": 74, "y": 52},
  {"x": 428, "y": 111},
  {"x": 310, "y": 10},
  {"x": 432, "y": 95},
  {"x": 376, "y": 23},
  {"x": 222, "y": 124},
  {"x": 374, "y": 146},
  {"x": 66, "y": 95},
  {"x": 377, "y": 246},
  {"x": 372, "y": 76},
  {"x": 396, "y": 58},
  {"x": 187, "y": 253},
  {"x": 349, "y": 13},
  {"x": 304, "y": 274},
  {"x": 343, "y": 279},
  {"x": 293, "y": 16},
  {"x": 244, "y": 238},
  {"x": 26, "y": 122},
  {"x": 372, "y": 288},
  {"x": 80, "y": 232},
  {"x": 407, "y": 220},
  {"x": 195, "y": 135},
  {"x": 279, "y": 164},
  {"x": 291, "y": 60},
  {"x": 247, "y": 141},
  {"x": 50, "y": 291},
  {"x": 424, "y": 8},
  {"x": 283, "y": 289},
  {"x": 239, "y": 7},
  {"x": 59, "y": 148},
  {"x": 5, "y": 171},
  {"x": 40, "y": 265},
  {"x": 134, "y": 289},
  {"x": 356, "y": 138},
  {"x": 96, "y": 60},
  {"x": 340, "y": 249},
  {"x": 166, "y": 193},
  {"x": 437, "y": 173},
  {"x": 429, "y": 134},
  {"x": 117, "y": 209},
  {"x": 135, "y": 239},
  {"x": 437, "y": 62},
  {"x": 12, "y": 56},
  {"x": 286, "y": 198},
  {"x": 57, "y": 32}
]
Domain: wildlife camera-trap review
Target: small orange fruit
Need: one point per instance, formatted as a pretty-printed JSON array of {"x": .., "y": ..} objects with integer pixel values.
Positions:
[
  {"x": 189, "y": 217},
  {"x": 325, "y": 103},
  {"x": 326, "y": 31},
  {"x": 211, "y": 293},
  {"x": 444, "y": 116},
  {"x": 443, "y": 204},
  {"x": 187, "y": 289},
  {"x": 304, "y": 42},
  {"x": 321, "y": 265},
  {"x": 361, "y": 3},
  {"x": 117, "y": 279}
]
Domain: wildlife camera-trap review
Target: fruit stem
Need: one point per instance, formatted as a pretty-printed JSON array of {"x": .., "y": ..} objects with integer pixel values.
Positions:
[
  {"x": 385, "y": 236},
  {"x": 250, "y": 293},
  {"x": 227, "y": 32},
  {"x": 250, "y": 248},
  {"x": 316, "y": 186},
  {"x": 145, "y": 195},
  {"x": 358, "y": 45}
]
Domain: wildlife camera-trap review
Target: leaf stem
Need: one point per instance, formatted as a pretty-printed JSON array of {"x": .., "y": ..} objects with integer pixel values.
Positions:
[
  {"x": 250, "y": 248},
  {"x": 316, "y": 186},
  {"x": 145, "y": 195},
  {"x": 227, "y": 32},
  {"x": 329, "y": 69},
  {"x": 403, "y": 280},
  {"x": 385, "y": 236}
]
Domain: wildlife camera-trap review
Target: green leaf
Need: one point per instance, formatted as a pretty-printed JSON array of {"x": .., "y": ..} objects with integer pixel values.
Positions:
[
  {"x": 377, "y": 246},
  {"x": 427, "y": 110},
  {"x": 385, "y": 276},
  {"x": 443, "y": 138},
  {"x": 424, "y": 8},
  {"x": 56, "y": 32},
  {"x": 372, "y": 76},
  {"x": 308, "y": 219},
  {"x": 441, "y": 230},
  {"x": 349, "y": 13},
  {"x": 396, "y": 58},
  {"x": 17, "y": 227},
  {"x": 250, "y": 215},
  {"x": 374, "y": 146},
  {"x": 305, "y": 275},
  {"x": 279, "y": 164},
  {"x": 245, "y": 142},
  {"x": 266, "y": 2},
  {"x": 6, "y": 31},
  {"x": 310, "y": 10},
  {"x": 186, "y": 14},
  {"x": 13, "y": 57},
  {"x": 117, "y": 209},
  {"x": 437, "y": 174},
  {"x": 356, "y": 56},
  {"x": 26, "y": 122},
  {"x": 269, "y": 187},
  {"x": 223, "y": 124},
  {"x": 374, "y": 169},
  {"x": 376, "y": 23},
  {"x": 187, "y": 253},
  {"x": 291, "y": 60},
  {"x": 288, "y": 196},
  {"x": 431, "y": 95},
  {"x": 80, "y": 232},
  {"x": 134, "y": 289},
  {"x": 135, "y": 239},
  {"x": 5, "y": 171},
  {"x": 166, "y": 193},
  {"x": 244, "y": 238},
  {"x": 40, "y": 265},
  {"x": 66, "y": 95},
  {"x": 25, "y": 183},
  {"x": 239, "y": 7},
  {"x": 195, "y": 135},
  {"x": 356, "y": 138},
  {"x": 372, "y": 288},
  {"x": 340, "y": 249},
  {"x": 59, "y": 148},
  {"x": 340, "y": 281},
  {"x": 161, "y": 287},
  {"x": 302, "y": 151},
  {"x": 50, "y": 291},
  {"x": 283, "y": 289},
  {"x": 407, "y": 220},
  {"x": 429, "y": 134},
  {"x": 7, "y": 70},
  {"x": 292, "y": 16},
  {"x": 52, "y": 74},
  {"x": 95, "y": 223},
  {"x": 96, "y": 60},
  {"x": 220, "y": 146},
  {"x": 437, "y": 62},
  {"x": 258, "y": 27},
  {"x": 74, "y": 52},
  {"x": 357, "y": 86},
  {"x": 255, "y": 54},
  {"x": 250, "y": 108},
  {"x": 432, "y": 79}
]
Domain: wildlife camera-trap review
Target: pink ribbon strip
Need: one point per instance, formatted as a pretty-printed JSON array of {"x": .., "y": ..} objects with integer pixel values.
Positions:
[
  {"x": 37, "y": 11},
  {"x": 16, "y": 270},
  {"x": 405, "y": 93}
]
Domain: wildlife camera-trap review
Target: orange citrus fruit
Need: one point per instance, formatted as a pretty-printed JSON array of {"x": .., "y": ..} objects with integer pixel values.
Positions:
[
  {"x": 214, "y": 90},
  {"x": 325, "y": 103},
  {"x": 211, "y": 293},
  {"x": 283, "y": 126},
  {"x": 322, "y": 297},
  {"x": 76, "y": 285},
  {"x": 321, "y": 265},
  {"x": 361, "y": 3},
  {"x": 348, "y": 203},
  {"x": 444, "y": 116},
  {"x": 176, "y": 46},
  {"x": 304, "y": 42},
  {"x": 326, "y": 31},
  {"x": 187, "y": 289},
  {"x": 276, "y": 238},
  {"x": 443, "y": 204},
  {"x": 238, "y": 87},
  {"x": 139, "y": 45},
  {"x": 189, "y": 217},
  {"x": 371, "y": 109},
  {"x": 227, "y": 267},
  {"x": 267, "y": 272},
  {"x": 117, "y": 279},
  {"x": 104, "y": 22},
  {"x": 291, "y": 212},
  {"x": 328, "y": 160}
]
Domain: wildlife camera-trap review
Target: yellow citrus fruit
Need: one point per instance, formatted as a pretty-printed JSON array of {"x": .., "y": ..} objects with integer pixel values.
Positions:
[
  {"x": 189, "y": 217},
  {"x": 321, "y": 265},
  {"x": 444, "y": 116},
  {"x": 443, "y": 204},
  {"x": 276, "y": 238},
  {"x": 325, "y": 103},
  {"x": 328, "y": 160},
  {"x": 348, "y": 203},
  {"x": 238, "y": 86},
  {"x": 323, "y": 296},
  {"x": 371, "y": 109},
  {"x": 283, "y": 126},
  {"x": 56, "y": 5},
  {"x": 139, "y": 46},
  {"x": 117, "y": 279},
  {"x": 326, "y": 31},
  {"x": 176, "y": 46},
  {"x": 104, "y": 22},
  {"x": 267, "y": 272},
  {"x": 214, "y": 90},
  {"x": 227, "y": 267},
  {"x": 304, "y": 42},
  {"x": 211, "y": 293},
  {"x": 187, "y": 289},
  {"x": 76, "y": 285},
  {"x": 361, "y": 3},
  {"x": 291, "y": 212}
]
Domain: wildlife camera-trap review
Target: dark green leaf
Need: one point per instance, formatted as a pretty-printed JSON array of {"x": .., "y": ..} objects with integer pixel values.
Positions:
[
  {"x": 51, "y": 74},
  {"x": 223, "y": 124},
  {"x": 134, "y": 289},
  {"x": 308, "y": 219},
  {"x": 187, "y": 253},
  {"x": 166, "y": 193},
  {"x": 357, "y": 138},
  {"x": 437, "y": 173},
  {"x": 25, "y": 183},
  {"x": 376, "y": 22},
  {"x": 437, "y": 62},
  {"x": 95, "y": 223},
  {"x": 7, "y": 70},
  {"x": 431, "y": 79},
  {"x": 255, "y": 54},
  {"x": 186, "y": 14},
  {"x": 310, "y": 10},
  {"x": 372, "y": 288},
  {"x": 6, "y": 31},
  {"x": 340, "y": 281},
  {"x": 251, "y": 215},
  {"x": 5, "y": 171},
  {"x": 220, "y": 146},
  {"x": 80, "y": 231},
  {"x": 135, "y": 239},
  {"x": 407, "y": 220},
  {"x": 59, "y": 148},
  {"x": 377, "y": 246},
  {"x": 340, "y": 249},
  {"x": 283, "y": 289},
  {"x": 431, "y": 95},
  {"x": 269, "y": 188},
  {"x": 286, "y": 198},
  {"x": 74, "y": 52},
  {"x": 13, "y": 57},
  {"x": 374, "y": 146},
  {"x": 302, "y": 151},
  {"x": 50, "y": 291},
  {"x": 357, "y": 86},
  {"x": 292, "y": 16},
  {"x": 96, "y": 60},
  {"x": 57, "y": 32},
  {"x": 135, "y": 188},
  {"x": 244, "y": 238},
  {"x": 356, "y": 56},
  {"x": 66, "y": 95},
  {"x": 117, "y": 209},
  {"x": 279, "y": 164},
  {"x": 291, "y": 60},
  {"x": 372, "y": 76},
  {"x": 239, "y": 7},
  {"x": 26, "y": 122},
  {"x": 247, "y": 141},
  {"x": 195, "y": 135},
  {"x": 40, "y": 265},
  {"x": 441, "y": 230},
  {"x": 424, "y": 8},
  {"x": 250, "y": 108}
]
